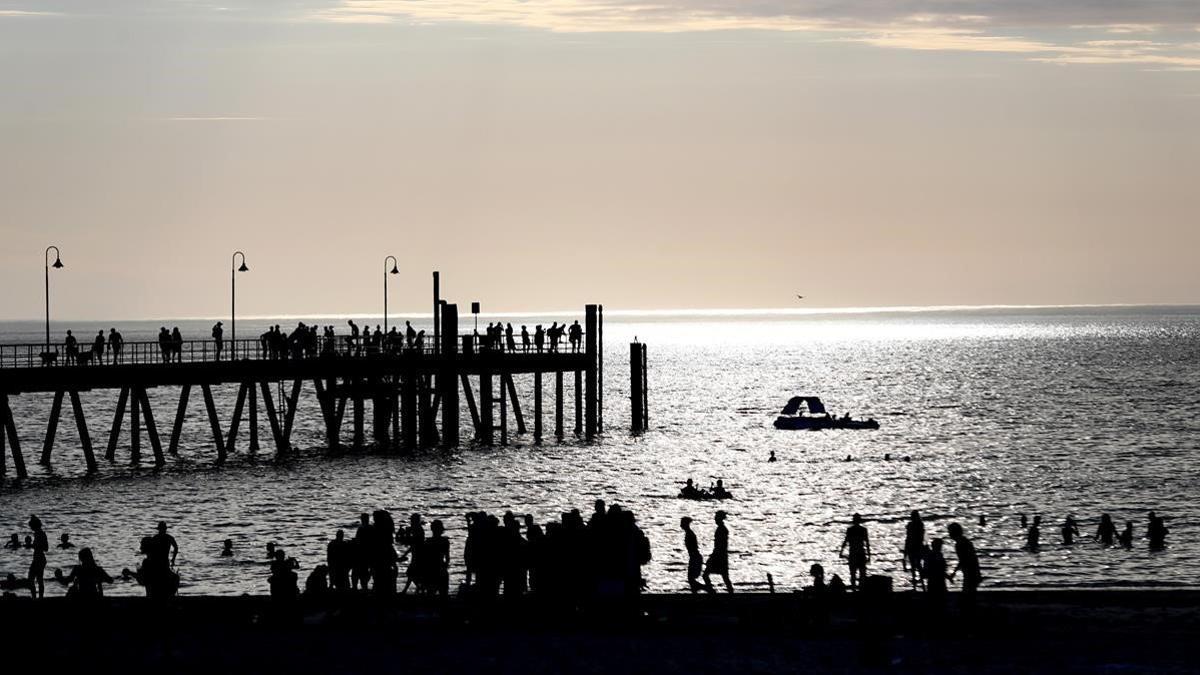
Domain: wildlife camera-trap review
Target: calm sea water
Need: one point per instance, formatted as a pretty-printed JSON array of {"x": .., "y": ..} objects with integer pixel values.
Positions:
[{"x": 1002, "y": 412}]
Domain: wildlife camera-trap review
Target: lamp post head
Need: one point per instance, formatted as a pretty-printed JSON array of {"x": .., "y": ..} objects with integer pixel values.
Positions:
[
  {"x": 243, "y": 268},
  {"x": 58, "y": 265},
  {"x": 395, "y": 270}
]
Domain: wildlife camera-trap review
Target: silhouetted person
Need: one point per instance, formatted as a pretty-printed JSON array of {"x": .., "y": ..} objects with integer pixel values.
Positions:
[
  {"x": 1107, "y": 531},
  {"x": 86, "y": 579},
  {"x": 982, "y": 520},
  {"x": 719, "y": 491},
  {"x": 38, "y": 566},
  {"x": 914, "y": 544},
  {"x": 859, "y": 543},
  {"x": 283, "y": 577},
  {"x": 72, "y": 347},
  {"x": 1024, "y": 522},
  {"x": 817, "y": 572},
  {"x": 410, "y": 334},
  {"x": 1070, "y": 530},
  {"x": 98, "y": 348},
  {"x": 718, "y": 560},
  {"x": 1126, "y": 536},
  {"x": 510, "y": 341},
  {"x": 116, "y": 344},
  {"x": 695, "y": 560},
  {"x": 363, "y": 541},
  {"x": 1033, "y": 535},
  {"x": 437, "y": 559},
  {"x": 316, "y": 586},
  {"x": 690, "y": 491},
  {"x": 177, "y": 344},
  {"x": 339, "y": 558},
  {"x": 64, "y": 541},
  {"x": 968, "y": 559},
  {"x": 227, "y": 549},
  {"x": 933, "y": 568},
  {"x": 415, "y": 538},
  {"x": 14, "y": 542},
  {"x": 218, "y": 336},
  {"x": 525, "y": 339},
  {"x": 158, "y": 574},
  {"x": 771, "y": 458},
  {"x": 836, "y": 585},
  {"x": 539, "y": 338},
  {"x": 1156, "y": 532},
  {"x": 575, "y": 335}
]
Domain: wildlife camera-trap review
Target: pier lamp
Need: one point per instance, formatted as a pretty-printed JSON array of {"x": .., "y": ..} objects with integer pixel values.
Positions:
[
  {"x": 475, "y": 313},
  {"x": 386, "y": 272},
  {"x": 233, "y": 270},
  {"x": 58, "y": 265}
]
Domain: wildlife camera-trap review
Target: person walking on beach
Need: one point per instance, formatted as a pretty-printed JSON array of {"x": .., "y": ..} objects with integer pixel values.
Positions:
[
  {"x": 718, "y": 561},
  {"x": 968, "y": 559},
  {"x": 914, "y": 545},
  {"x": 37, "y": 568},
  {"x": 1070, "y": 530},
  {"x": 218, "y": 336},
  {"x": 1107, "y": 530},
  {"x": 1156, "y": 532},
  {"x": 859, "y": 543},
  {"x": 695, "y": 560},
  {"x": 437, "y": 560},
  {"x": 159, "y": 574}
]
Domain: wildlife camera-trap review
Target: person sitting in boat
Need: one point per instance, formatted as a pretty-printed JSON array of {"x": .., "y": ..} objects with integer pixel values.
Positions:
[
  {"x": 719, "y": 491},
  {"x": 690, "y": 491}
]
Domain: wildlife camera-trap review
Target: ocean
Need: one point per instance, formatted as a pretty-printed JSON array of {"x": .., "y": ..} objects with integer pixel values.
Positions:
[{"x": 987, "y": 412}]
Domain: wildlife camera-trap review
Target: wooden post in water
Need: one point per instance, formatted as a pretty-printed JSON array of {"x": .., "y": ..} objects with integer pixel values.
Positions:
[
  {"x": 253, "y": 396},
  {"x": 85, "y": 439},
  {"x": 578, "y": 402},
  {"x": 118, "y": 419},
  {"x": 503, "y": 413},
  {"x": 637, "y": 387},
  {"x": 558, "y": 405},
  {"x": 14, "y": 441},
  {"x": 537, "y": 407},
  {"x": 487, "y": 412},
  {"x": 408, "y": 408},
  {"x": 590, "y": 351},
  {"x": 600, "y": 369},
  {"x": 177, "y": 429},
  {"x": 52, "y": 426},
  {"x": 135, "y": 425},
  {"x": 448, "y": 380}
]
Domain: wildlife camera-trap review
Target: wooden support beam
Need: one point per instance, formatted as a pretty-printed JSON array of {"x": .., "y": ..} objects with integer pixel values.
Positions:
[
  {"x": 394, "y": 403},
  {"x": 448, "y": 384},
  {"x": 487, "y": 414},
  {"x": 425, "y": 415},
  {"x": 281, "y": 444},
  {"x": 14, "y": 441},
  {"x": 151, "y": 428},
  {"x": 558, "y": 405},
  {"x": 213, "y": 422},
  {"x": 52, "y": 426},
  {"x": 503, "y": 413},
  {"x": 253, "y": 396},
  {"x": 359, "y": 414},
  {"x": 85, "y": 439},
  {"x": 325, "y": 396},
  {"x": 408, "y": 409},
  {"x": 537, "y": 407},
  {"x": 578, "y": 402},
  {"x": 516, "y": 403},
  {"x": 135, "y": 425},
  {"x": 115, "y": 435},
  {"x": 235, "y": 422},
  {"x": 177, "y": 429},
  {"x": 600, "y": 369},
  {"x": 290, "y": 416},
  {"x": 471, "y": 407}
]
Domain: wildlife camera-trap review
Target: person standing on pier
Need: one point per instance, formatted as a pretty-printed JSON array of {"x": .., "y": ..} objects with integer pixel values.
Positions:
[
  {"x": 116, "y": 344},
  {"x": 575, "y": 334},
  {"x": 37, "y": 586},
  {"x": 218, "y": 336},
  {"x": 555, "y": 334},
  {"x": 177, "y": 344},
  {"x": 510, "y": 342},
  {"x": 72, "y": 348},
  {"x": 718, "y": 561},
  {"x": 98, "y": 349},
  {"x": 695, "y": 560},
  {"x": 968, "y": 559},
  {"x": 353, "y": 338},
  {"x": 524, "y": 339},
  {"x": 539, "y": 338},
  {"x": 859, "y": 543}
]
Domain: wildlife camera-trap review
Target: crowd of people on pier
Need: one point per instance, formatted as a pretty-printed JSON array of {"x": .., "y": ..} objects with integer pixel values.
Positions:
[
  {"x": 568, "y": 559},
  {"x": 312, "y": 341}
]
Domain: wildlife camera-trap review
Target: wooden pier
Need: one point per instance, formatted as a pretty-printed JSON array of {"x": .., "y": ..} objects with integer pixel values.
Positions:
[{"x": 409, "y": 389}]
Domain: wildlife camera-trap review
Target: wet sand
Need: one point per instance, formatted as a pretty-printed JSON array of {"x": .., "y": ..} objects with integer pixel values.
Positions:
[{"x": 1015, "y": 631}]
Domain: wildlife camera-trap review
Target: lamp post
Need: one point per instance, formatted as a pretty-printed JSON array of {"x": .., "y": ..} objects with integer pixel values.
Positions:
[
  {"x": 58, "y": 266},
  {"x": 233, "y": 299},
  {"x": 386, "y": 272}
]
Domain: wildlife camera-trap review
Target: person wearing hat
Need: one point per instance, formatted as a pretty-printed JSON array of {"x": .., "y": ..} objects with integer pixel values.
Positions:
[
  {"x": 718, "y": 561},
  {"x": 218, "y": 335}
]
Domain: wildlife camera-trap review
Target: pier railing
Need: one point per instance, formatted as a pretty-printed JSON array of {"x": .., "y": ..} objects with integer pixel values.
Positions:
[{"x": 31, "y": 355}]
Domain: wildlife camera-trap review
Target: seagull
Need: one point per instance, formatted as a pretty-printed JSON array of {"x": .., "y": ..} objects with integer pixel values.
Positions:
[{"x": 801, "y": 297}]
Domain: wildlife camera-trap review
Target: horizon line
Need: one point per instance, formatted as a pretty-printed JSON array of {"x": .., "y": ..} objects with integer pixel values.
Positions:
[{"x": 650, "y": 313}]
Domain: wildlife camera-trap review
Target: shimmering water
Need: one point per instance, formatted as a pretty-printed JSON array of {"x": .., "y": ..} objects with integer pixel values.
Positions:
[{"x": 1002, "y": 412}]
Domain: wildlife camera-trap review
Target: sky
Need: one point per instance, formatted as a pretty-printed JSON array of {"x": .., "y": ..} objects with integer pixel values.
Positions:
[{"x": 543, "y": 154}]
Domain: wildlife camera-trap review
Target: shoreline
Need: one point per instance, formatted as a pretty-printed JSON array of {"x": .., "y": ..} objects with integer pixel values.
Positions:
[{"x": 1029, "y": 631}]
